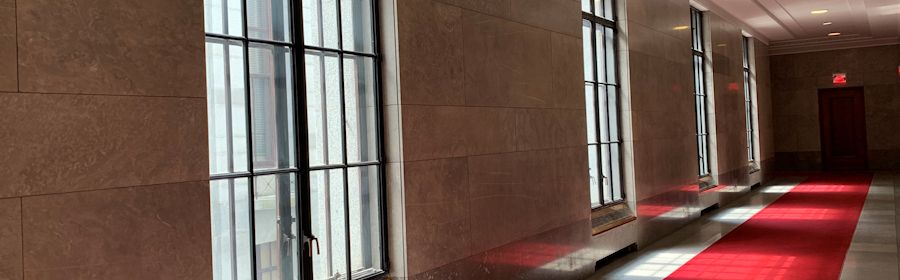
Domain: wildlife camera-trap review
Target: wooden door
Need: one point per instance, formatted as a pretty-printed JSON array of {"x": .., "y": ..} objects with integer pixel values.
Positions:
[{"x": 842, "y": 122}]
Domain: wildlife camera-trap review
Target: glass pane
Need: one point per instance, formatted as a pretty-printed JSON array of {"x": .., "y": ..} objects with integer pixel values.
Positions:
[
  {"x": 613, "y": 110},
  {"x": 226, "y": 105},
  {"x": 320, "y": 26},
  {"x": 598, "y": 8},
  {"x": 588, "y": 50},
  {"x": 328, "y": 223},
  {"x": 230, "y": 221},
  {"x": 586, "y": 6},
  {"x": 220, "y": 221},
  {"x": 603, "y": 121},
  {"x": 697, "y": 111},
  {"x": 359, "y": 97},
  {"x": 269, "y": 20},
  {"x": 610, "y": 52},
  {"x": 590, "y": 113},
  {"x": 614, "y": 158},
  {"x": 608, "y": 9},
  {"x": 223, "y": 17},
  {"x": 594, "y": 173},
  {"x": 601, "y": 54},
  {"x": 365, "y": 218},
  {"x": 746, "y": 47},
  {"x": 356, "y": 28},
  {"x": 323, "y": 106},
  {"x": 275, "y": 208},
  {"x": 271, "y": 92},
  {"x": 605, "y": 164}
]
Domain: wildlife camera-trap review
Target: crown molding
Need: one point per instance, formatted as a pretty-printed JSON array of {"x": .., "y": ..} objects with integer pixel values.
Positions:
[
  {"x": 709, "y": 6},
  {"x": 829, "y": 43}
]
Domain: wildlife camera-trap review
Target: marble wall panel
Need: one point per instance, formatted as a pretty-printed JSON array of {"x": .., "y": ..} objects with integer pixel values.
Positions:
[
  {"x": 96, "y": 141},
  {"x": 8, "y": 69},
  {"x": 438, "y": 205},
  {"x": 502, "y": 62},
  {"x": 11, "y": 239},
  {"x": 430, "y": 40},
  {"x": 129, "y": 47},
  {"x": 151, "y": 232}
]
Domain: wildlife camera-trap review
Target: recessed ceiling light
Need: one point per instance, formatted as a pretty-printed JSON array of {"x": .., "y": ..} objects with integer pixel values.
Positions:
[
  {"x": 827, "y": 23},
  {"x": 681, "y": 27},
  {"x": 834, "y": 34},
  {"x": 818, "y": 12}
]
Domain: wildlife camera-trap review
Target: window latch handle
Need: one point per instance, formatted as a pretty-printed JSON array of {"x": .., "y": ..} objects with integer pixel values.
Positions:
[{"x": 310, "y": 244}]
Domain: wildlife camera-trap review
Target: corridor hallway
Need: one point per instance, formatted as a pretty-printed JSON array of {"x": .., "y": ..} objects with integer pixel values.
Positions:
[{"x": 795, "y": 227}]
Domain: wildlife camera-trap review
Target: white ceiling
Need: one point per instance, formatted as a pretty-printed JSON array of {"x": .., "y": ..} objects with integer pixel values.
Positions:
[{"x": 789, "y": 22}]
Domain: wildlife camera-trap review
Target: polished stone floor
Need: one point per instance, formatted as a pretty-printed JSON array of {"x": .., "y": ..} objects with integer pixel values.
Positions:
[{"x": 872, "y": 253}]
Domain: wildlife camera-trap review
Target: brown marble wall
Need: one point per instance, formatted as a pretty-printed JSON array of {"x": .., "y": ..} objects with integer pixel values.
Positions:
[
  {"x": 103, "y": 117},
  {"x": 665, "y": 146},
  {"x": 796, "y": 81},
  {"x": 765, "y": 124},
  {"x": 728, "y": 90},
  {"x": 486, "y": 138},
  {"x": 492, "y": 126}
]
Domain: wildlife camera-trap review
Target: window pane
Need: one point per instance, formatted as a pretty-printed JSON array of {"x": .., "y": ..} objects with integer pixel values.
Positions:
[
  {"x": 269, "y": 20},
  {"x": 230, "y": 221},
  {"x": 226, "y": 106},
  {"x": 359, "y": 97},
  {"x": 608, "y": 10},
  {"x": 275, "y": 208},
  {"x": 610, "y": 64},
  {"x": 590, "y": 112},
  {"x": 615, "y": 155},
  {"x": 600, "y": 53},
  {"x": 320, "y": 27},
  {"x": 271, "y": 93},
  {"x": 604, "y": 120},
  {"x": 356, "y": 28},
  {"x": 613, "y": 109},
  {"x": 697, "y": 110},
  {"x": 365, "y": 218},
  {"x": 606, "y": 169},
  {"x": 594, "y": 173},
  {"x": 328, "y": 223},
  {"x": 223, "y": 17},
  {"x": 586, "y": 6},
  {"x": 220, "y": 215},
  {"x": 323, "y": 106},
  {"x": 588, "y": 51}
]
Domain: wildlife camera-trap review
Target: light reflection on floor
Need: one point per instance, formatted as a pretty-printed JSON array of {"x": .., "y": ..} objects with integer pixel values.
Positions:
[
  {"x": 665, "y": 256},
  {"x": 872, "y": 255}
]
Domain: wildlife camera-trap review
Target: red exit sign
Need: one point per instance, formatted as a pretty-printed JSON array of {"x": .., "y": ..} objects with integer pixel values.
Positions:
[{"x": 839, "y": 78}]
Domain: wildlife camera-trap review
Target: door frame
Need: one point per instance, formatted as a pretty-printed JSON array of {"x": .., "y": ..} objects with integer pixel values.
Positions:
[{"x": 824, "y": 141}]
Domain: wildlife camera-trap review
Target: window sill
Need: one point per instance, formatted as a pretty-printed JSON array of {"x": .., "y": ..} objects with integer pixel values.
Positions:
[
  {"x": 705, "y": 183},
  {"x": 609, "y": 217},
  {"x": 754, "y": 167}
]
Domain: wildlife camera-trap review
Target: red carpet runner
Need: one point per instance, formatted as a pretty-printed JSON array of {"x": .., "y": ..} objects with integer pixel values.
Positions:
[{"x": 802, "y": 235}]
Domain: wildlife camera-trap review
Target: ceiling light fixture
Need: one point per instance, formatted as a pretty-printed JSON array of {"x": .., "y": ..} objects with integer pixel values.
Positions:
[
  {"x": 681, "y": 27},
  {"x": 827, "y": 23},
  {"x": 818, "y": 12},
  {"x": 834, "y": 34}
]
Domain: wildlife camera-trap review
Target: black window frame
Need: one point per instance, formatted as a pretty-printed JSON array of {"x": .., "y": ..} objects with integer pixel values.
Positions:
[
  {"x": 748, "y": 100},
  {"x": 607, "y": 21},
  {"x": 308, "y": 245},
  {"x": 700, "y": 92}
]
